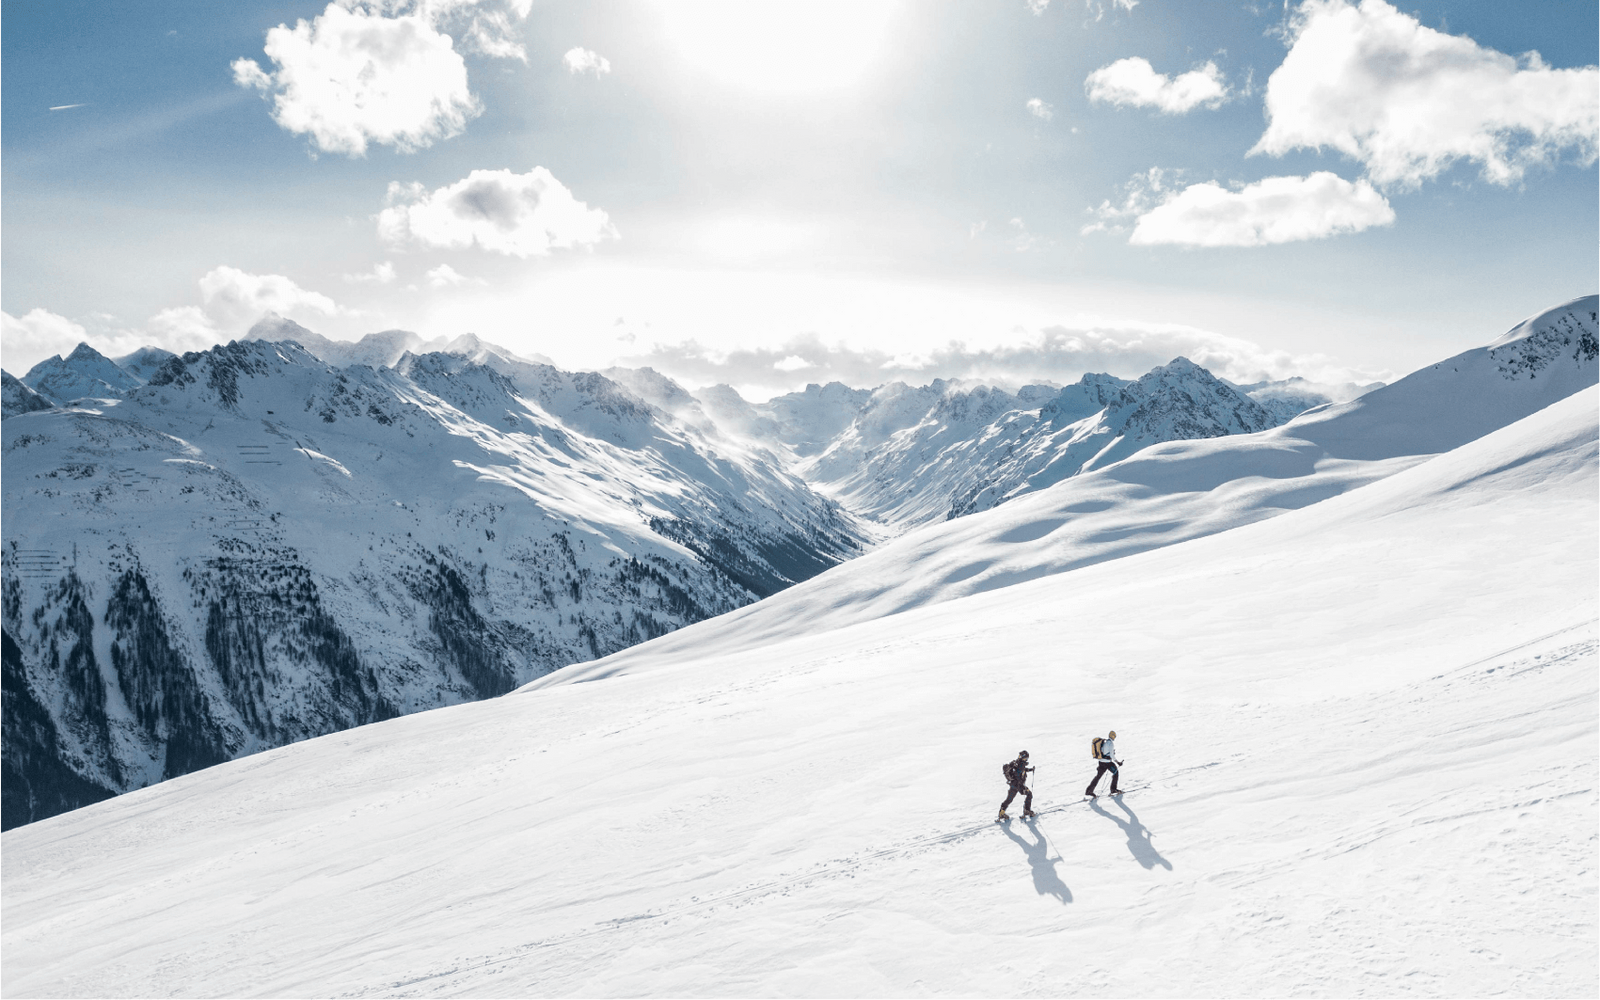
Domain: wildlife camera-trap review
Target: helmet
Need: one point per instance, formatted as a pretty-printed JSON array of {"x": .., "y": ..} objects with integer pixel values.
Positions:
[
  {"x": 1023, "y": 755},
  {"x": 1113, "y": 735}
]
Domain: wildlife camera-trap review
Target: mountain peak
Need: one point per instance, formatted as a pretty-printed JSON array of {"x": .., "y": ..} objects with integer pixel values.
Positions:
[
  {"x": 83, "y": 353},
  {"x": 83, "y": 373}
]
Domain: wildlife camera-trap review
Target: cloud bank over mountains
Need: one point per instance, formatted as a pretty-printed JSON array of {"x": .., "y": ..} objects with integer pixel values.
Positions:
[
  {"x": 231, "y": 300},
  {"x": 1057, "y": 354}
]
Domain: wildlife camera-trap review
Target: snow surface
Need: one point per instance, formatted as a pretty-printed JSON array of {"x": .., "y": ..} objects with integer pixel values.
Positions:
[{"x": 1361, "y": 738}]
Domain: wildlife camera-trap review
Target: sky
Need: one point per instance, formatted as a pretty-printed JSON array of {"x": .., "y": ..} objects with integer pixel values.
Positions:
[{"x": 775, "y": 193}]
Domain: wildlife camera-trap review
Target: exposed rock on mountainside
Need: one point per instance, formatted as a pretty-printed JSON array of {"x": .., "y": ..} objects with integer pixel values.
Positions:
[
  {"x": 16, "y": 397},
  {"x": 256, "y": 548}
]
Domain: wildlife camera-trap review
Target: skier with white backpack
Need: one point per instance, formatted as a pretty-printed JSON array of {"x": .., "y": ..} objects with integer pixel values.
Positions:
[{"x": 1104, "y": 753}]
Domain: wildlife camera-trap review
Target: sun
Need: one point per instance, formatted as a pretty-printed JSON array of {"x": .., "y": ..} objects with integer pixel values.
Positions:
[{"x": 777, "y": 47}]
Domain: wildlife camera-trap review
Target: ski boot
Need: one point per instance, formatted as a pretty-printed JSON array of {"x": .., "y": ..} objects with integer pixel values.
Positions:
[
  {"x": 1028, "y": 814},
  {"x": 1002, "y": 817}
]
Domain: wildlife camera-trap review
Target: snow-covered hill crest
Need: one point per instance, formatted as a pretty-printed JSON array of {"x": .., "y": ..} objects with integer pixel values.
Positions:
[{"x": 257, "y": 547}]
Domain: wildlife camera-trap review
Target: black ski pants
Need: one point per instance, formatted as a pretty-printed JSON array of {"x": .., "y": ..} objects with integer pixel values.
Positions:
[
  {"x": 1105, "y": 765},
  {"x": 1027, "y": 801}
]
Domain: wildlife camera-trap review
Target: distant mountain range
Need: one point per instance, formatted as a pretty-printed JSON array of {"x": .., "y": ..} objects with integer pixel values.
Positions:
[{"x": 212, "y": 554}]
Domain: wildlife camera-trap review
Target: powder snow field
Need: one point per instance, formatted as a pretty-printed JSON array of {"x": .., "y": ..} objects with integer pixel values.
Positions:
[{"x": 1361, "y": 737}]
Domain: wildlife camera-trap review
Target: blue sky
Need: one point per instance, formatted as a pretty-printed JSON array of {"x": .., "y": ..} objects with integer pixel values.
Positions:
[{"x": 775, "y": 193}]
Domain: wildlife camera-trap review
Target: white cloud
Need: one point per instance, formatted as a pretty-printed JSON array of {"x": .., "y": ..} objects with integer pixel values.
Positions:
[
  {"x": 182, "y": 328},
  {"x": 1038, "y": 7},
  {"x": 1407, "y": 101},
  {"x": 522, "y": 215},
  {"x": 792, "y": 363},
  {"x": 1023, "y": 241},
  {"x": 489, "y": 26},
  {"x": 1039, "y": 109},
  {"x": 1097, "y": 8},
  {"x": 580, "y": 60},
  {"x": 381, "y": 274},
  {"x": 1273, "y": 210},
  {"x": 355, "y": 74},
  {"x": 29, "y": 339},
  {"x": 1133, "y": 82},
  {"x": 445, "y": 276},
  {"x": 234, "y": 299},
  {"x": 1143, "y": 192}
]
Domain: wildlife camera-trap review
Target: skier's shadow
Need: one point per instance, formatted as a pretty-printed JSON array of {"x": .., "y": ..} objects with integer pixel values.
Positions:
[
  {"x": 1139, "y": 844},
  {"x": 1045, "y": 880}
]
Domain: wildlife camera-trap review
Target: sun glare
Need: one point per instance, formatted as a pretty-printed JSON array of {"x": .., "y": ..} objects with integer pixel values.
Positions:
[{"x": 779, "y": 47}]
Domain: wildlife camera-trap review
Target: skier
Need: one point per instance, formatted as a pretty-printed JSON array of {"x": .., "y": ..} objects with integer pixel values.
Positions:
[
  {"x": 1106, "y": 758},
  {"x": 1016, "y": 774}
]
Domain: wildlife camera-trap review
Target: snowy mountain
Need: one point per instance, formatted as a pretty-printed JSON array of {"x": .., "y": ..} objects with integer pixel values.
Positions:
[
  {"x": 1287, "y": 398},
  {"x": 1359, "y": 737},
  {"x": 1174, "y": 492},
  {"x": 144, "y": 362},
  {"x": 18, "y": 398},
  {"x": 375, "y": 350},
  {"x": 902, "y": 455},
  {"x": 257, "y": 547},
  {"x": 915, "y": 455},
  {"x": 83, "y": 373}
]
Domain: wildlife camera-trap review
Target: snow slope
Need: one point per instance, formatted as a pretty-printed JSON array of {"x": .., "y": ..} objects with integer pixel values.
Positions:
[
  {"x": 1361, "y": 736},
  {"x": 1174, "y": 491}
]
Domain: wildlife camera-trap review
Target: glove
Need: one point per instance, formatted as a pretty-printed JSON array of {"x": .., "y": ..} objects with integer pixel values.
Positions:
[{"x": 1119, "y": 763}]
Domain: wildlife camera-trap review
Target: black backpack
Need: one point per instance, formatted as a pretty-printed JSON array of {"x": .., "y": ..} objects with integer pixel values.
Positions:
[{"x": 1009, "y": 769}]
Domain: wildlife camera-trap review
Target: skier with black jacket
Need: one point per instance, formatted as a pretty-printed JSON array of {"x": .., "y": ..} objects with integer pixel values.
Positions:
[
  {"x": 1016, "y": 774},
  {"x": 1106, "y": 758}
]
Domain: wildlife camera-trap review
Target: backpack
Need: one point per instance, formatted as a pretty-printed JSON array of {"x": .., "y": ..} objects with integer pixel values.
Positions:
[
  {"x": 1007, "y": 770},
  {"x": 1094, "y": 747}
]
